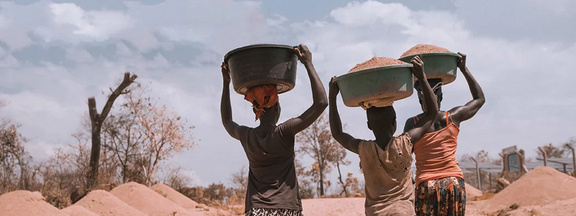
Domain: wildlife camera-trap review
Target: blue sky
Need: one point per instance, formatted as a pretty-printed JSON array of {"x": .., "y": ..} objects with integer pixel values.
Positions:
[{"x": 56, "y": 54}]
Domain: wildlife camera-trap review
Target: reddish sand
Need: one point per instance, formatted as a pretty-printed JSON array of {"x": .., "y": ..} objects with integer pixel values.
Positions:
[
  {"x": 540, "y": 186},
  {"x": 27, "y": 203},
  {"x": 106, "y": 204},
  {"x": 76, "y": 210},
  {"x": 375, "y": 62},
  {"x": 472, "y": 192},
  {"x": 174, "y": 196},
  {"x": 147, "y": 201},
  {"x": 424, "y": 48}
]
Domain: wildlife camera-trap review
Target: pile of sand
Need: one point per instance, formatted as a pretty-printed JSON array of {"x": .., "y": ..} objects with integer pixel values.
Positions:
[
  {"x": 375, "y": 62},
  {"x": 472, "y": 192},
  {"x": 540, "y": 186},
  {"x": 424, "y": 48},
  {"x": 27, "y": 203},
  {"x": 76, "y": 210},
  {"x": 106, "y": 204},
  {"x": 147, "y": 201},
  {"x": 175, "y": 196}
]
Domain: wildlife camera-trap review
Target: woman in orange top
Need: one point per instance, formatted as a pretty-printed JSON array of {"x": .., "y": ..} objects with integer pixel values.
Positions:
[{"x": 440, "y": 183}]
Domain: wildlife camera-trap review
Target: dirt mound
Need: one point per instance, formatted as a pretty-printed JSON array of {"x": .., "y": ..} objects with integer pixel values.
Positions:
[
  {"x": 174, "y": 196},
  {"x": 147, "y": 201},
  {"x": 564, "y": 207},
  {"x": 540, "y": 186},
  {"x": 472, "y": 192},
  {"x": 375, "y": 62},
  {"x": 27, "y": 203},
  {"x": 106, "y": 204},
  {"x": 424, "y": 48},
  {"x": 76, "y": 210}
]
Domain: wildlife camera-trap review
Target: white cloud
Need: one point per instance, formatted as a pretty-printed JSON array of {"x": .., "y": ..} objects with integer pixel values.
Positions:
[
  {"x": 97, "y": 25},
  {"x": 373, "y": 12}
]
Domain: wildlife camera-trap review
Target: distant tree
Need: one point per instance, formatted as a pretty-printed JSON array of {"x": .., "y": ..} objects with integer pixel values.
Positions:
[
  {"x": 15, "y": 170},
  {"x": 240, "y": 179},
  {"x": 481, "y": 156},
  {"x": 175, "y": 179},
  {"x": 215, "y": 192},
  {"x": 338, "y": 158},
  {"x": 553, "y": 151},
  {"x": 123, "y": 137},
  {"x": 305, "y": 188},
  {"x": 317, "y": 142},
  {"x": 164, "y": 133}
]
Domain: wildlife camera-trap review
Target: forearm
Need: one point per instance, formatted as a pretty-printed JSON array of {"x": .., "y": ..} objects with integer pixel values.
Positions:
[
  {"x": 475, "y": 88},
  {"x": 318, "y": 91},
  {"x": 225, "y": 107},
  {"x": 334, "y": 116}
]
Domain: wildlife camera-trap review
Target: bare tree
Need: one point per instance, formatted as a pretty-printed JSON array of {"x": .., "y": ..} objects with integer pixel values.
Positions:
[
  {"x": 97, "y": 120},
  {"x": 164, "y": 133},
  {"x": 175, "y": 179},
  {"x": 317, "y": 142},
  {"x": 240, "y": 179},
  {"x": 314, "y": 142},
  {"x": 338, "y": 157},
  {"x": 553, "y": 151},
  {"x": 123, "y": 137},
  {"x": 305, "y": 188},
  {"x": 481, "y": 156},
  {"x": 14, "y": 159}
]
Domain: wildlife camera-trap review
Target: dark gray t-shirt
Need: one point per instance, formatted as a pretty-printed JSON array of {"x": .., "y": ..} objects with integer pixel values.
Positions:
[{"x": 272, "y": 179}]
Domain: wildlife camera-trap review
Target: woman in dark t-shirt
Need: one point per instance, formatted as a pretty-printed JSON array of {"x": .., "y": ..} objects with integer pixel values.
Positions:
[{"x": 272, "y": 183}]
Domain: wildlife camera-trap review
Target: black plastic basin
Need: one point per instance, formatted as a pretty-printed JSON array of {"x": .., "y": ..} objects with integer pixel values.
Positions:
[{"x": 261, "y": 64}]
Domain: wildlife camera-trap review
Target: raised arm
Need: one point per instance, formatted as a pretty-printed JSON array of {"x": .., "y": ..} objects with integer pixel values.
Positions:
[
  {"x": 431, "y": 105},
  {"x": 225, "y": 108},
  {"x": 344, "y": 139},
  {"x": 463, "y": 113},
  {"x": 318, "y": 93}
]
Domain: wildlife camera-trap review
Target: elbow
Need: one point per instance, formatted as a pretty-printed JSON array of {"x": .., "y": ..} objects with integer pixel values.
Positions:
[
  {"x": 482, "y": 100},
  {"x": 338, "y": 137},
  {"x": 321, "y": 104}
]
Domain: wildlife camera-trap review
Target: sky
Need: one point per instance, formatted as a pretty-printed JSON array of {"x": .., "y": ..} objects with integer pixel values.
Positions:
[{"x": 55, "y": 54}]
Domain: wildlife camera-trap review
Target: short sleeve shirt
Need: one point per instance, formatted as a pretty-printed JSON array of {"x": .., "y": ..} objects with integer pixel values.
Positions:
[
  {"x": 387, "y": 175},
  {"x": 272, "y": 179}
]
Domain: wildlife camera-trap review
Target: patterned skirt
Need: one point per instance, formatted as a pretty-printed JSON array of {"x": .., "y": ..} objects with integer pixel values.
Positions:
[
  {"x": 444, "y": 196},
  {"x": 273, "y": 212}
]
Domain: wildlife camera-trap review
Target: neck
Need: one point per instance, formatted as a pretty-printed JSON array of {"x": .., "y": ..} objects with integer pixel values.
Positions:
[
  {"x": 266, "y": 123},
  {"x": 383, "y": 139}
]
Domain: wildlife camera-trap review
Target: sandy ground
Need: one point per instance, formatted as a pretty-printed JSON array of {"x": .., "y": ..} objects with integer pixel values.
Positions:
[
  {"x": 560, "y": 208},
  {"x": 355, "y": 206},
  {"x": 333, "y": 206},
  {"x": 543, "y": 191}
]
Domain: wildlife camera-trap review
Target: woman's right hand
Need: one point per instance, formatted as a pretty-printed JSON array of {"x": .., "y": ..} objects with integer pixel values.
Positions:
[{"x": 418, "y": 69}]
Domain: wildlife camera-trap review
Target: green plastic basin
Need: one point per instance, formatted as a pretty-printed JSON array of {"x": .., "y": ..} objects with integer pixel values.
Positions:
[
  {"x": 438, "y": 65},
  {"x": 392, "y": 81}
]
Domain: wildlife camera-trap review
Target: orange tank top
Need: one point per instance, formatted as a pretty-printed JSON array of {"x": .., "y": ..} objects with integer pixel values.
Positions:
[{"x": 436, "y": 153}]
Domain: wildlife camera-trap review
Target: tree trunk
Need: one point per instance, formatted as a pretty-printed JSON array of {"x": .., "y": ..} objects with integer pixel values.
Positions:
[
  {"x": 321, "y": 181},
  {"x": 97, "y": 120},
  {"x": 344, "y": 185},
  {"x": 94, "y": 156}
]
